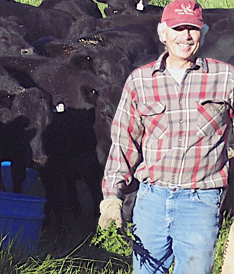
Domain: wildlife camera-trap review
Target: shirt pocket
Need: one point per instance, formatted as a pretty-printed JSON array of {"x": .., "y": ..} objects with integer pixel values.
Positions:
[
  {"x": 212, "y": 117},
  {"x": 154, "y": 119}
]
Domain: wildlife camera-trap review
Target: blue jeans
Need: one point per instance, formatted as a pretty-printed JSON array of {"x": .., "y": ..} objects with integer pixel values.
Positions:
[{"x": 180, "y": 224}]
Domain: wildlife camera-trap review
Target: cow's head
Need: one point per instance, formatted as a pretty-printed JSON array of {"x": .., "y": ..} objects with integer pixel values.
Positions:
[{"x": 105, "y": 102}]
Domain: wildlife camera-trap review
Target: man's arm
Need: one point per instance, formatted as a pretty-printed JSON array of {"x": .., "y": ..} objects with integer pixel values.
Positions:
[{"x": 126, "y": 133}]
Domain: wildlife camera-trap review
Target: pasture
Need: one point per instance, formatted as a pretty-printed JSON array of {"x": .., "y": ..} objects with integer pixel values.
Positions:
[{"x": 72, "y": 71}]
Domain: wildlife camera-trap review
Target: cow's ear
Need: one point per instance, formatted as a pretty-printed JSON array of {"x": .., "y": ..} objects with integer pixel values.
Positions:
[
  {"x": 222, "y": 25},
  {"x": 82, "y": 62}
]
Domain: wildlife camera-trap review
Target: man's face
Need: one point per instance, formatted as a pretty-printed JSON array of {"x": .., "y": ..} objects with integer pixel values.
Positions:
[{"x": 182, "y": 42}]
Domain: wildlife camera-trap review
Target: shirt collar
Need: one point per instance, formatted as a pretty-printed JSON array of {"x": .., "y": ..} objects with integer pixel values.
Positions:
[{"x": 160, "y": 64}]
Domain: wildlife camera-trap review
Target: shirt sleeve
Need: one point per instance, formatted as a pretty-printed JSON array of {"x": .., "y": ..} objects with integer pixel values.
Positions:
[
  {"x": 230, "y": 137},
  {"x": 126, "y": 133}
]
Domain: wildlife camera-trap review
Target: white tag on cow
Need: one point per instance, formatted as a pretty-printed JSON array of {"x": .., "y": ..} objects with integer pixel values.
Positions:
[
  {"x": 140, "y": 6},
  {"x": 60, "y": 107}
]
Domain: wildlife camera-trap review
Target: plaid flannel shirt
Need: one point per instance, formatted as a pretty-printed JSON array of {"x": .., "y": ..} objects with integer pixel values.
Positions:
[{"x": 180, "y": 130}]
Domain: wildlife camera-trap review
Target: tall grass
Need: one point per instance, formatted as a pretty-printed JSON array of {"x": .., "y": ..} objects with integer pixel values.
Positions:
[{"x": 73, "y": 264}]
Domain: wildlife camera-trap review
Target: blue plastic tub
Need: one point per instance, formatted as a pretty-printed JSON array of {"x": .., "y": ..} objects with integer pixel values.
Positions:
[
  {"x": 21, "y": 219},
  {"x": 31, "y": 177}
]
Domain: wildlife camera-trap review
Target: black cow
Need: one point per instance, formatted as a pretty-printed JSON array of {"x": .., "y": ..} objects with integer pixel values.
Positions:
[
  {"x": 85, "y": 13},
  {"x": 11, "y": 39},
  {"x": 111, "y": 52},
  {"x": 105, "y": 103},
  {"x": 14, "y": 146},
  {"x": 147, "y": 21},
  {"x": 132, "y": 39},
  {"x": 107, "y": 53},
  {"x": 83, "y": 26},
  {"x": 69, "y": 141},
  {"x": 76, "y": 8},
  {"x": 32, "y": 103},
  {"x": 37, "y": 21},
  {"x": 23, "y": 117},
  {"x": 129, "y": 7},
  {"x": 70, "y": 144}
]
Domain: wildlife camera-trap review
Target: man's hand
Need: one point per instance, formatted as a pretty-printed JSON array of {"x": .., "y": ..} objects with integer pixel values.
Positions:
[{"x": 110, "y": 211}]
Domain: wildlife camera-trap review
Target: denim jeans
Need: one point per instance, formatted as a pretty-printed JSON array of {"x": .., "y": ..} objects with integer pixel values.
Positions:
[{"x": 175, "y": 224}]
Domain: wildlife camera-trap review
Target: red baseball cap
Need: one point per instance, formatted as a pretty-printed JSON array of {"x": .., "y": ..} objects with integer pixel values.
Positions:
[{"x": 183, "y": 12}]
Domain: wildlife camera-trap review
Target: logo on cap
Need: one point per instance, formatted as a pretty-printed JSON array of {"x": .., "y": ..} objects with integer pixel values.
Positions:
[{"x": 185, "y": 10}]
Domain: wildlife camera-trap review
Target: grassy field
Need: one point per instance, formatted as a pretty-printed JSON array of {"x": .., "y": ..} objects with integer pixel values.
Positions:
[{"x": 74, "y": 264}]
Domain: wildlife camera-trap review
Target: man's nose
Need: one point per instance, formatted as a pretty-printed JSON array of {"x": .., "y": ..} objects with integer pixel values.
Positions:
[{"x": 186, "y": 33}]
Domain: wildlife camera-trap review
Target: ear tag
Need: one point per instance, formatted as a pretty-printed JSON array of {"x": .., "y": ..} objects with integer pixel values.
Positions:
[
  {"x": 60, "y": 107},
  {"x": 140, "y": 6}
]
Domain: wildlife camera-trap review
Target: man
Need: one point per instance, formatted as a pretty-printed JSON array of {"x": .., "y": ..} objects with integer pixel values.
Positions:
[{"x": 176, "y": 113}]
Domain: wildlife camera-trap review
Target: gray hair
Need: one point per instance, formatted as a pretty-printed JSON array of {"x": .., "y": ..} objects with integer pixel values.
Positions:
[{"x": 162, "y": 26}]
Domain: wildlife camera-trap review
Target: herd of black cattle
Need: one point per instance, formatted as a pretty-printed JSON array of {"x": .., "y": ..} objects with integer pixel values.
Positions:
[{"x": 62, "y": 70}]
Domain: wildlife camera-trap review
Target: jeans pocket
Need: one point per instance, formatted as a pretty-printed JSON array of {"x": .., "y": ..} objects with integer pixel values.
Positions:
[
  {"x": 143, "y": 189},
  {"x": 211, "y": 197}
]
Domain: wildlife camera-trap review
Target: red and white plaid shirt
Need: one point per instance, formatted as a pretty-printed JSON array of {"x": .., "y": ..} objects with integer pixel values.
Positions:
[{"x": 180, "y": 129}]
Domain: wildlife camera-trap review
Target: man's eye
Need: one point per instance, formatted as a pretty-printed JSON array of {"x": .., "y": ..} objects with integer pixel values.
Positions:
[
  {"x": 178, "y": 28},
  {"x": 189, "y": 28}
]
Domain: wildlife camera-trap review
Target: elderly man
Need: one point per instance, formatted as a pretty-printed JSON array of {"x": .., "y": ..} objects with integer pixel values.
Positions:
[{"x": 176, "y": 113}]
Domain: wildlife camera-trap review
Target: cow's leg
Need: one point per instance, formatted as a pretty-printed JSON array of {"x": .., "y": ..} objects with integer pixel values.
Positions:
[
  {"x": 72, "y": 196},
  {"x": 2, "y": 188},
  {"x": 18, "y": 171},
  {"x": 57, "y": 201},
  {"x": 92, "y": 176}
]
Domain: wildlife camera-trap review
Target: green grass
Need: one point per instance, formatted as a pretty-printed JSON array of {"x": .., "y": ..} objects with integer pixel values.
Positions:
[
  {"x": 35, "y": 3},
  {"x": 71, "y": 264}
]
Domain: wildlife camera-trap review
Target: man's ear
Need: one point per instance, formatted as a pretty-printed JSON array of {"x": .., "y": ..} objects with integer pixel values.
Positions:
[
  {"x": 163, "y": 36},
  {"x": 162, "y": 32}
]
